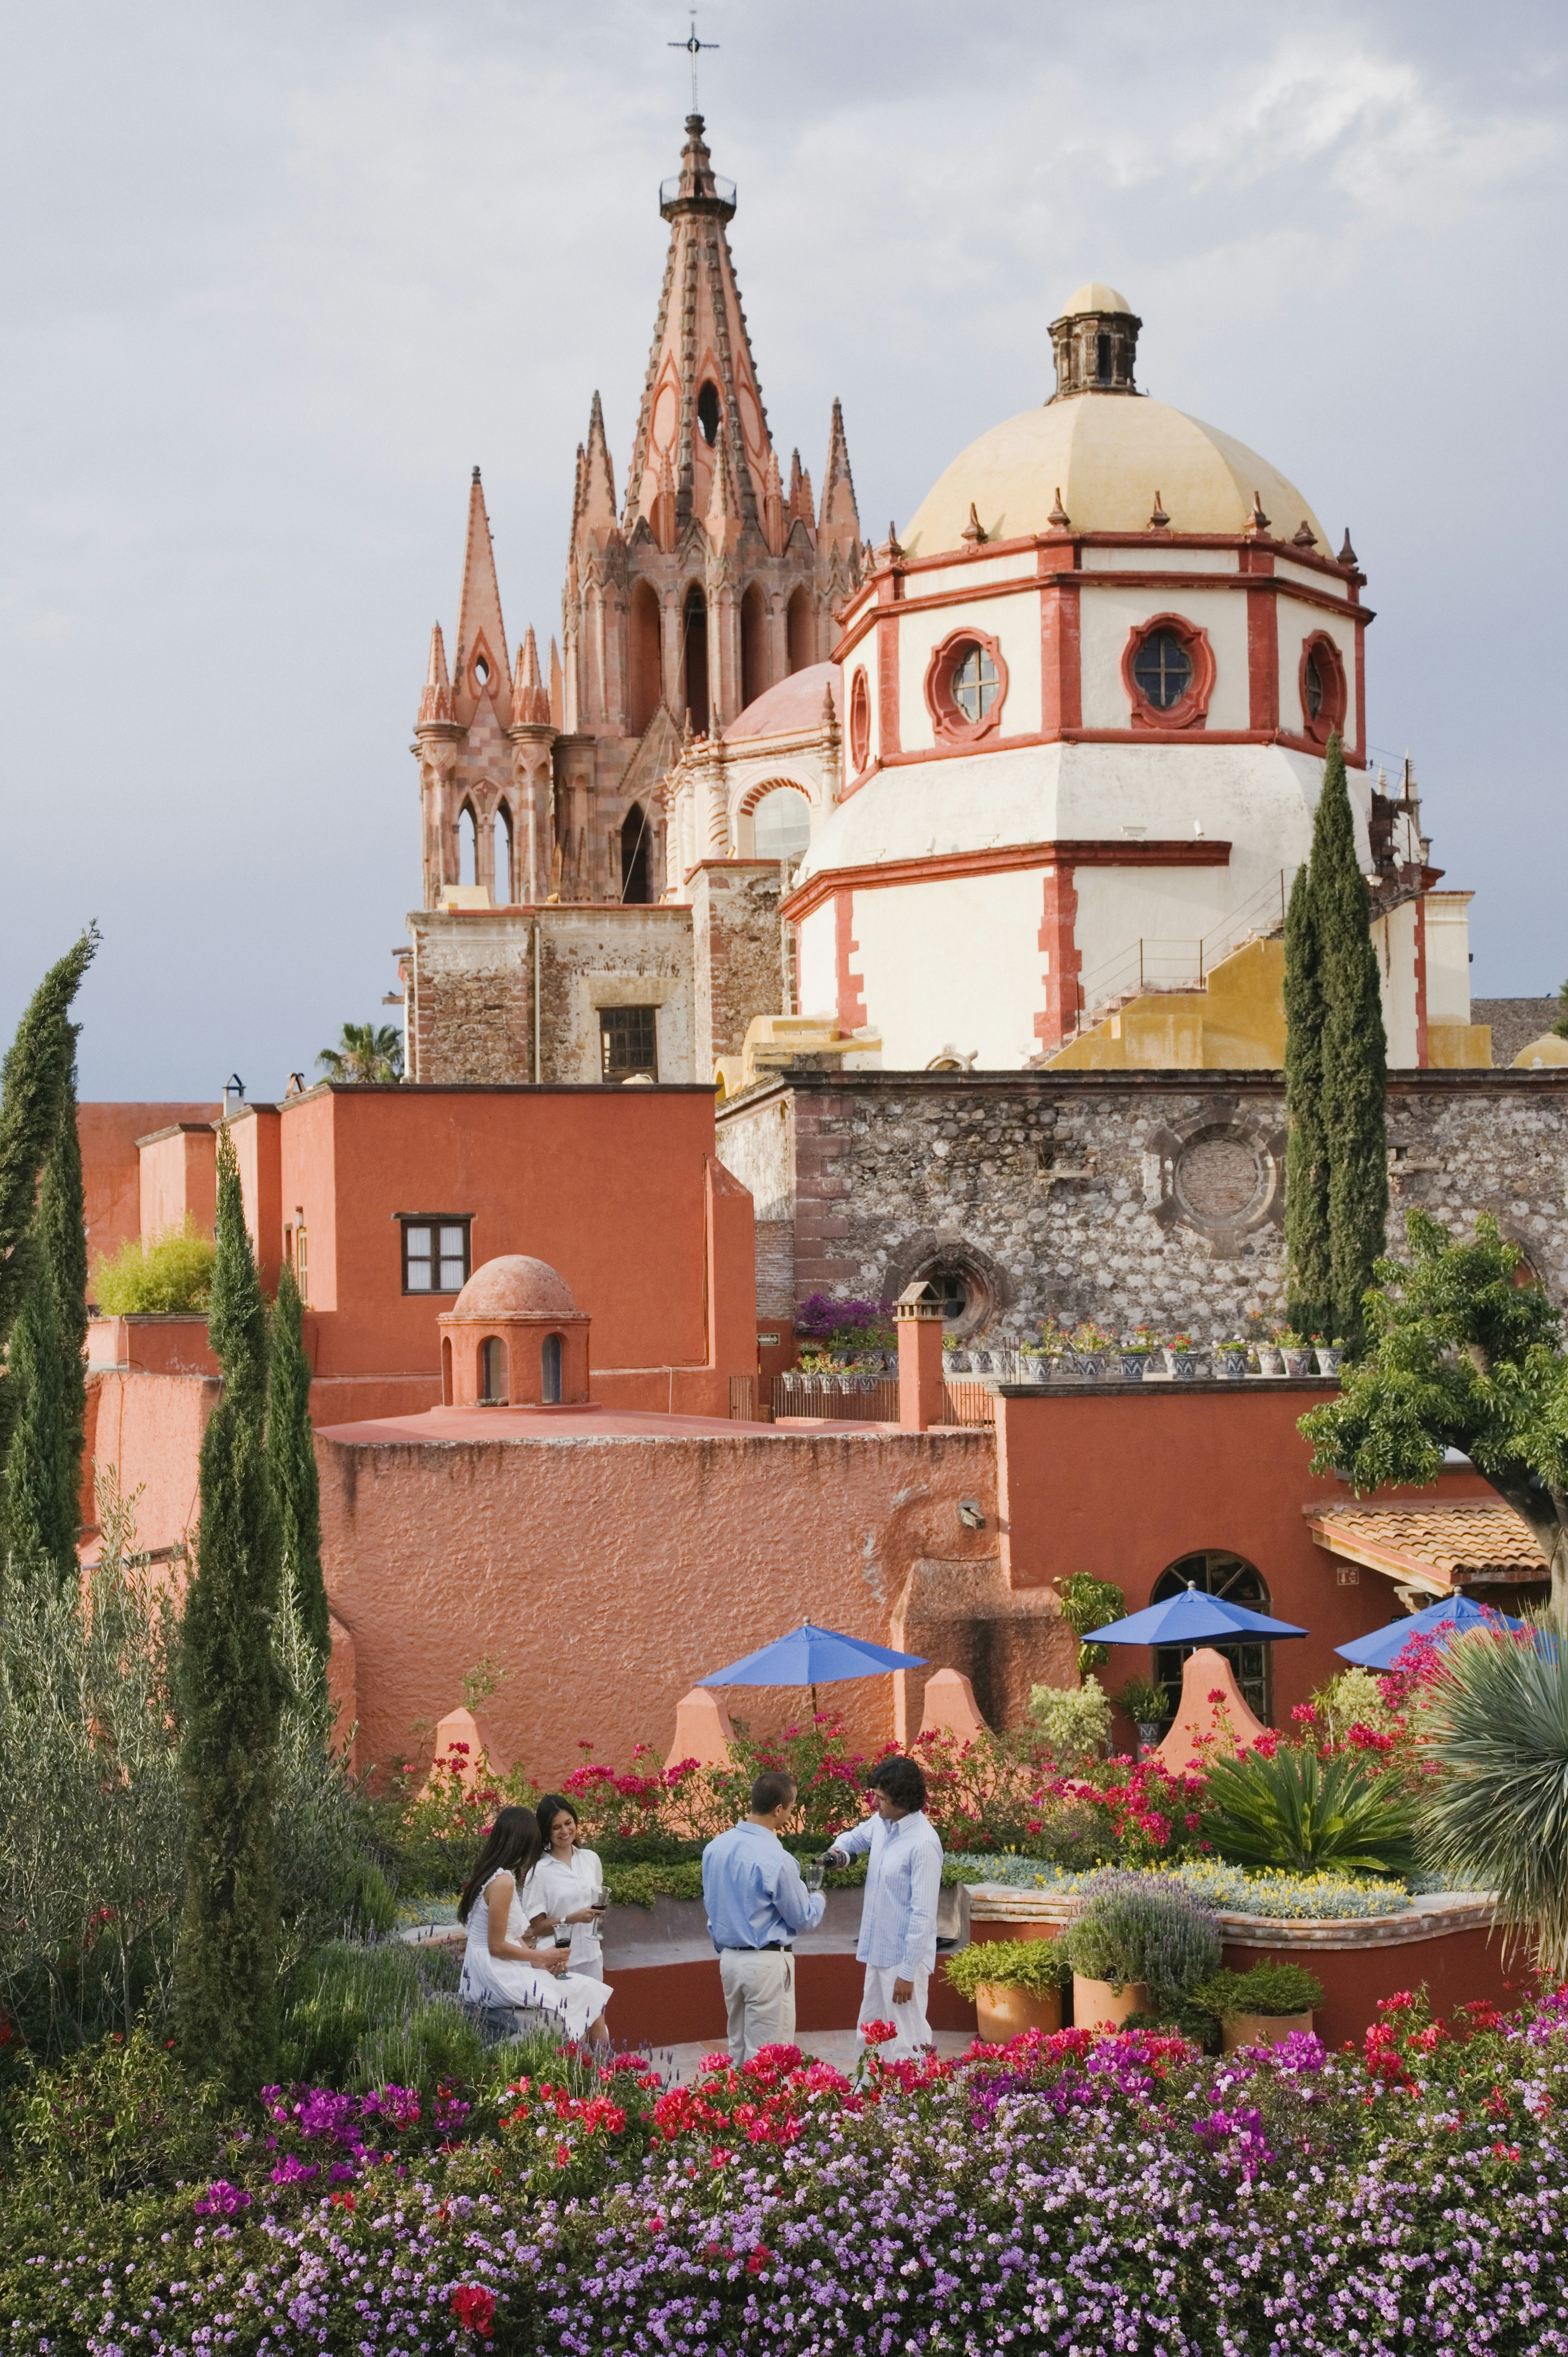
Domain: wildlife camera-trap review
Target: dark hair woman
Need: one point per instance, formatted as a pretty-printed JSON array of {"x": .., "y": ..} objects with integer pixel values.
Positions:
[
  {"x": 501, "y": 1966},
  {"x": 568, "y": 1884}
]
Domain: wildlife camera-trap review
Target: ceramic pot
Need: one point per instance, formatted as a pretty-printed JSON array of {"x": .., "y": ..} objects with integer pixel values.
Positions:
[
  {"x": 955, "y": 1362},
  {"x": 1133, "y": 1363},
  {"x": 1003, "y": 2012},
  {"x": 1231, "y": 1365},
  {"x": 1297, "y": 1363},
  {"x": 1149, "y": 1737},
  {"x": 1260, "y": 2029},
  {"x": 980, "y": 1362},
  {"x": 1183, "y": 1363},
  {"x": 1097, "y": 2006},
  {"x": 1269, "y": 1360},
  {"x": 1329, "y": 1361},
  {"x": 1091, "y": 1363},
  {"x": 1033, "y": 1370}
]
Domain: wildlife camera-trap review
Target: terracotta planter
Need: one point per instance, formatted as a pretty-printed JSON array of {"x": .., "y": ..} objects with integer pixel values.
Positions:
[
  {"x": 1003, "y": 2012},
  {"x": 1260, "y": 2029},
  {"x": 1096, "y": 2005}
]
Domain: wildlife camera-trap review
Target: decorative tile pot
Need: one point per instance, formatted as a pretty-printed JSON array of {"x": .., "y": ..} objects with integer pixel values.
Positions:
[
  {"x": 955, "y": 1362},
  {"x": 1003, "y": 2012},
  {"x": 1033, "y": 1370},
  {"x": 982, "y": 1361},
  {"x": 1329, "y": 1361},
  {"x": 1260, "y": 2029},
  {"x": 1132, "y": 1363},
  {"x": 1091, "y": 1363},
  {"x": 1297, "y": 1363},
  {"x": 1269, "y": 1360},
  {"x": 1231, "y": 1365},
  {"x": 1150, "y": 1733},
  {"x": 1183, "y": 1363},
  {"x": 1096, "y": 2005}
]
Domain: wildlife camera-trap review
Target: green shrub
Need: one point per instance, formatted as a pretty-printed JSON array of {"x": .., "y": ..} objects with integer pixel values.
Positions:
[
  {"x": 1297, "y": 1811},
  {"x": 639, "y": 1885},
  {"x": 157, "y": 1276},
  {"x": 1072, "y": 1722},
  {"x": 1267, "y": 1988},
  {"x": 1089, "y": 1603},
  {"x": 1145, "y": 1702},
  {"x": 424, "y": 2047},
  {"x": 116, "y": 2120},
  {"x": 1144, "y": 1928},
  {"x": 345, "y": 2007},
  {"x": 1033, "y": 1964}
]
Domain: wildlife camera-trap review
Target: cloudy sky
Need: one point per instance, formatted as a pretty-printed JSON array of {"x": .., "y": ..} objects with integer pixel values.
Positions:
[{"x": 274, "y": 278}]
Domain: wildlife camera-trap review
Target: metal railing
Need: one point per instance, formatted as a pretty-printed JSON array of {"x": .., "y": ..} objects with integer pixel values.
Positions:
[
  {"x": 1173, "y": 963},
  {"x": 846, "y": 1399},
  {"x": 671, "y": 190}
]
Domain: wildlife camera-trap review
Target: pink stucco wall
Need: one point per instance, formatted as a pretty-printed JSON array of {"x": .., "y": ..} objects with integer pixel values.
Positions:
[
  {"x": 150, "y": 1426},
  {"x": 607, "y": 1574}
]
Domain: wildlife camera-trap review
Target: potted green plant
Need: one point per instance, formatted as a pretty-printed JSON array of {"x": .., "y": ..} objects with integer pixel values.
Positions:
[
  {"x": 1148, "y": 1705},
  {"x": 1141, "y": 1944},
  {"x": 1294, "y": 1350},
  {"x": 1182, "y": 1354},
  {"x": 1261, "y": 2007},
  {"x": 1135, "y": 1352},
  {"x": 1034, "y": 1362},
  {"x": 1015, "y": 1984},
  {"x": 1089, "y": 1346},
  {"x": 1231, "y": 1358},
  {"x": 1269, "y": 1360},
  {"x": 955, "y": 1361},
  {"x": 1330, "y": 1355}
]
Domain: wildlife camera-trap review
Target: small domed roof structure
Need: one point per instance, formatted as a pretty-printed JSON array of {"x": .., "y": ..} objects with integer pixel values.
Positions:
[
  {"x": 514, "y": 1286},
  {"x": 1095, "y": 296},
  {"x": 1106, "y": 459}
]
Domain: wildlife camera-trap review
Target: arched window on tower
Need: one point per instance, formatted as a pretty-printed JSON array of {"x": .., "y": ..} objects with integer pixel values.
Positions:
[
  {"x": 492, "y": 1371},
  {"x": 781, "y": 825},
  {"x": 708, "y": 412},
  {"x": 695, "y": 639},
  {"x": 645, "y": 665},
  {"x": 800, "y": 626},
  {"x": 635, "y": 865},
  {"x": 467, "y": 845},
  {"x": 753, "y": 645},
  {"x": 501, "y": 891},
  {"x": 549, "y": 1371},
  {"x": 1214, "y": 1573}
]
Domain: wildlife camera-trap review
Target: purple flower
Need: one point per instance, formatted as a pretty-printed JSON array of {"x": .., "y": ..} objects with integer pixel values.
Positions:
[
  {"x": 221, "y": 2200},
  {"x": 290, "y": 2171}
]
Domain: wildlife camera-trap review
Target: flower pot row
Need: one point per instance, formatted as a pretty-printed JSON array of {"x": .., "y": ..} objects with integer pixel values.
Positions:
[
  {"x": 1003, "y": 2012},
  {"x": 1132, "y": 1366}
]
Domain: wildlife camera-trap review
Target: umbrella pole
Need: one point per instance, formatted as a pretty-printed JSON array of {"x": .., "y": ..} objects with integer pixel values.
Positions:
[{"x": 814, "y": 1711}]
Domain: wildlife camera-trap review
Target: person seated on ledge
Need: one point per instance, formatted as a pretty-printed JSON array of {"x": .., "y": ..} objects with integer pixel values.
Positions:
[
  {"x": 755, "y": 1903},
  {"x": 568, "y": 1886},
  {"x": 501, "y": 1966},
  {"x": 897, "y": 1941}
]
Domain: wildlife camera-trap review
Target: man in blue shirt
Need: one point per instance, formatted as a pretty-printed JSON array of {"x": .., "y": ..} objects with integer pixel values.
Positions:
[
  {"x": 755, "y": 1903},
  {"x": 897, "y": 1941}
]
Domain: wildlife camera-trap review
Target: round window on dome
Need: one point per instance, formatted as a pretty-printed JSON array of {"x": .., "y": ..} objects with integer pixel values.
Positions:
[
  {"x": 1311, "y": 684},
  {"x": 1163, "y": 669},
  {"x": 974, "y": 682}
]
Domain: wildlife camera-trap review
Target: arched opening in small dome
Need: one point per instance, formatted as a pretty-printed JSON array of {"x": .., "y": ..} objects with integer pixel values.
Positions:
[
  {"x": 492, "y": 1371},
  {"x": 549, "y": 1371},
  {"x": 447, "y": 1371},
  {"x": 781, "y": 825}
]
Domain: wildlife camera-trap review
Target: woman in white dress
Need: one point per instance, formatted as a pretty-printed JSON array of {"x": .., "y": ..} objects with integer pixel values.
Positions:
[
  {"x": 568, "y": 1886},
  {"x": 501, "y": 1966}
]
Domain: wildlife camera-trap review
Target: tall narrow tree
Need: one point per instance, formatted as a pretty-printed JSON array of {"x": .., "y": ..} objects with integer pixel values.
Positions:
[
  {"x": 32, "y": 1078},
  {"x": 291, "y": 1454},
  {"x": 62, "y": 1235},
  {"x": 1355, "y": 1056},
  {"x": 226, "y": 1959},
  {"x": 1306, "y": 1151},
  {"x": 41, "y": 1501}
]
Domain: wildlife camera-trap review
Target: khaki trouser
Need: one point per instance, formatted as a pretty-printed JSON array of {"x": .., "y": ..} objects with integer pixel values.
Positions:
[{"x": 759, "y": 1999}]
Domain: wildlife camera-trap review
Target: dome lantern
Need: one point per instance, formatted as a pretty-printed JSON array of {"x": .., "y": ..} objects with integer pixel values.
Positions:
[{"x": 1095, "y": 342}]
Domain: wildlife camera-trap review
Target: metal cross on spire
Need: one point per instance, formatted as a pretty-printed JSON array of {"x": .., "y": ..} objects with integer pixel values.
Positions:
[{"x": 694, "y": 47}]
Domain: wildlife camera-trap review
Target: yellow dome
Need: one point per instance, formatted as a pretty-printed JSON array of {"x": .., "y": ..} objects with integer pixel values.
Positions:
[
  {"x": 1095, "y": 297},
  {"x": 1108, "y": 455}
]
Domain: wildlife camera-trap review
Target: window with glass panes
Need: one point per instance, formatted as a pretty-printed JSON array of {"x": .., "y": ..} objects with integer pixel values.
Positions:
[
  {"x": 434, "y": 1255},
  {"x": 1163, "y": 669},
  {"x": 628, "y": 1042},
  {"x": 974, "y": 682}
]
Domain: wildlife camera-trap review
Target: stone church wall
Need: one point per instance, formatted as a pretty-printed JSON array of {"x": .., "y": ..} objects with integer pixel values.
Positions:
[
  {"x": 737, "y": 951},
  {"x": 1129, "y": 1198}
]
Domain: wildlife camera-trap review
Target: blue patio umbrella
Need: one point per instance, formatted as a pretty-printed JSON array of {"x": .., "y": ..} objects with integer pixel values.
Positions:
[
  {"x": 1442, "y": 1621},
  {"x": 1190, "y": 1619},
  {"x": 810, "y": 1656}
]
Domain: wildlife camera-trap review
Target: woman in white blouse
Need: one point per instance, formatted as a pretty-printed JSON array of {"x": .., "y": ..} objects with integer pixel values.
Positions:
[
  {"x": 568, "y": 1886},
  {"x": 504, "y": 1964}
]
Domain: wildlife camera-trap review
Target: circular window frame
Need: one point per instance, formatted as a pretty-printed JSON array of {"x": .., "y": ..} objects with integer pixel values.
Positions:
[
  {"x": 951, "y": 724},
  {"x": 859, "y": 720},
  {"x": 1245, "y": 1215},
  {"x": 1189, "y": 711},
  {"x": 1331, "y": 674}
]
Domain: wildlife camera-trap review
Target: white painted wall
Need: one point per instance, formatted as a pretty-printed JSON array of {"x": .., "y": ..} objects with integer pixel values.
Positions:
[
  {"x": 1018, "y": 566},
  {"x": 1393, "y": 937},
  {"x": 1110, "y": 616},
  {"x": 1448, "y": 957},
  {"x": 816, "y": 963},
  {"x": 954, "y": 963},
  {"x": 1159, "y": 557},
  {"x": 1297, "y": 622},
  {"x": 1012, "y": 622}
]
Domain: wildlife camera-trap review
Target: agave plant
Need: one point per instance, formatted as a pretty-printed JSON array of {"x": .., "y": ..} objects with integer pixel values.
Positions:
[
  {"x": 1297, "y": 1811},
  {"x": 1497, "y": 1816}
]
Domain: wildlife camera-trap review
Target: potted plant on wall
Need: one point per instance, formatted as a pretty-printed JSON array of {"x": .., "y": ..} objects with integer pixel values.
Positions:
[
  {"x": 955, "y": 1362},
  {"x": 1182, "y": 1354},
  {"x": 1135, "y": 1352},
  {"x": 1269, "y": 1362},
  {"x": 1330, "y": 1355},
  {"x": 1148, "y": 1707},
  {"x": 1137, "y": 1947},
  {"x": 1016, "y": 1984},
  {"x": 1034, "y": 1362},
  {"x": 1231, "y": 1358},
  {"x": 1294, "y": 1350},
  {"x": 1261, "y": 2008},
  {"x": 1089, "y": 1346}
]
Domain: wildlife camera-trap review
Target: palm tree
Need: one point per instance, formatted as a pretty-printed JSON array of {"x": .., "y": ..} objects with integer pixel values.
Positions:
[{"x": 365, "y": 1052}]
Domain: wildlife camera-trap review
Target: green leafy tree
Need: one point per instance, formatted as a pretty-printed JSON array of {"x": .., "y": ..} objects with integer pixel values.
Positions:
[
  {"x": 230, "y": 1692},
  {"x": 1089, "y": 1603},
  {"x": 290, "y": 1455},
  {"x": 365, "y": 1052},
  {"x": 1306, "y": 1150},
  {"x": 47, "y": 1359},
  {"x": 1462, "y": 1357},
  {"x": 1355, "y": 1056},
  {"x": 33, "y": 1079}
]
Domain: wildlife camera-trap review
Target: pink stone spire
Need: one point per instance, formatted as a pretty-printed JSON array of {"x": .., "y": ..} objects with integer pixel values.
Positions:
[
  {"x": 840, "y": 524},
  {"x": 436, "y": 703},
  {"x": 482, "y": 665},
  {"x": 529, "y": 700}
]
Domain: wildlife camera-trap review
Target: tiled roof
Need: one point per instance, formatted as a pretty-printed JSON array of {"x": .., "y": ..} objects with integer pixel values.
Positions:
[{"x": 1474, "y": 1539}]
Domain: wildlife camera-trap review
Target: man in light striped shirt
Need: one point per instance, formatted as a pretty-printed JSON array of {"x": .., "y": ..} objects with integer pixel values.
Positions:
[{"x": 897, "y": 1941}]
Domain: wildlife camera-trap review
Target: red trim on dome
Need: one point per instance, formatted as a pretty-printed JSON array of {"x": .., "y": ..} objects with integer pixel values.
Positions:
[
  {"x": 1331, "y": 713},
  {"x": 1182, "y": 850}
]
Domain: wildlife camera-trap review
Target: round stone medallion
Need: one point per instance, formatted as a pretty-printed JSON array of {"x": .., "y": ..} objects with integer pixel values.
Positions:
[{"x": 1221, "y": 1178}]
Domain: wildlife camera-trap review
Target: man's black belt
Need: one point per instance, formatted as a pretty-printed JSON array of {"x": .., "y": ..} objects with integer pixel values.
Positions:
[{"x": 780, "y": 1947}]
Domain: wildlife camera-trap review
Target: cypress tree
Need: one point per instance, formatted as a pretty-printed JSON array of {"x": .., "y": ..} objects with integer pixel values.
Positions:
[
  {"x": 1355, "y": 1056},
  {"x": 229, "y": 1696},
  {"x": 62, "y": 1235},
  {"x": 45, "y": 1363},
  {"x": 1306, "y": 1155},
  {"x": 33, "y": 1078},
  {"x": 290, "y": 1455}
]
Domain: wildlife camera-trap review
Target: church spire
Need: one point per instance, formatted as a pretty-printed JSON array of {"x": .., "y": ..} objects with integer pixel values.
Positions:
[
  {"x": 482, "y": 666},
  {"x": 596, "y": 508},
  {"x": 840, "y": 524},
  {"x": 529, "y": 700},
  {"x": 701, "y": 384},
  {"x": 436, "y": 703}
]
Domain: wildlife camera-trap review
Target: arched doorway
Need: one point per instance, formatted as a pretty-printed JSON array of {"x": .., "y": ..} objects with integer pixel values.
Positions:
[
  {"x": 780, "y": 825},
  {"x": 753, "y": 645},
  {"x": 549, "y": 1371},
  {"x": 801, "y": 626},
  {"x": 1214, "y": 1573},
  {"x": 447, "y": 1371},
  {"x": 694, "y": 639},
  {"x": 645, "y": 664},
  {"x": 492, "y": 1371},
  {"x": 634, "y": 860}
]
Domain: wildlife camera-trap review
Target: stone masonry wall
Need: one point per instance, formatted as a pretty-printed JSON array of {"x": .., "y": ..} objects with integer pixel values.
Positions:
[
  {"x": 737, "y": 952},
  {"x": 1130, "y": 1198}
]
